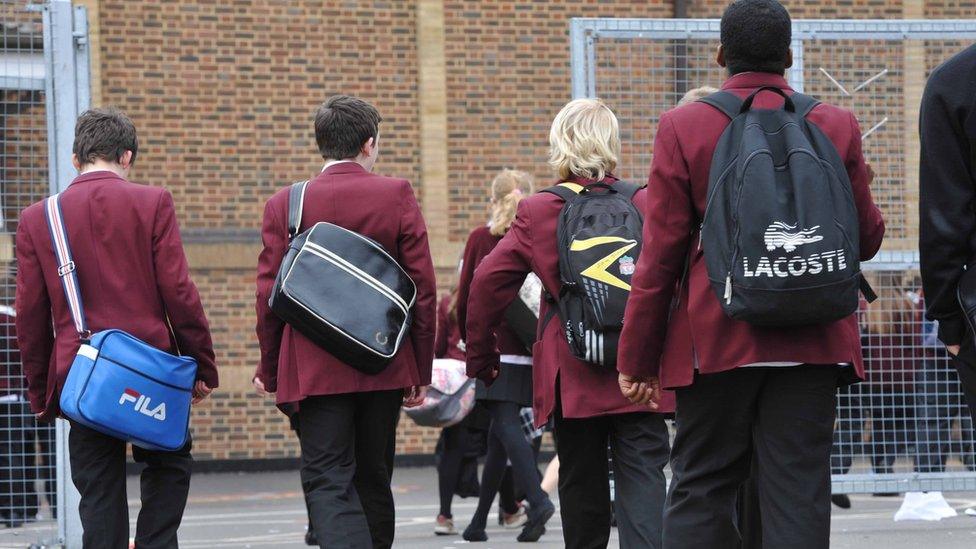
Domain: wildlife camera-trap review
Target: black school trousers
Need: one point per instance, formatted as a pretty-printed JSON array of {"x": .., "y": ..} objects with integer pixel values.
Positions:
[
  {"x": 348, "y": 443},
  {"x": 781, "y": 417},
  {"x": 965, "y": 365},
  {"x": 98, "y": 471},
  {"x": 638, "y": 443}
]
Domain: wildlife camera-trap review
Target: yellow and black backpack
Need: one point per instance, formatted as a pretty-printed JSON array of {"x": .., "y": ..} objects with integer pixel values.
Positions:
[{"x": 599, "y": 239}]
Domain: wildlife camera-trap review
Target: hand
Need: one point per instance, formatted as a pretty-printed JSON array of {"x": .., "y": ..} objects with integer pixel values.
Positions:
[
  {"x": 414, "y": 396},
  {"x": 200, "y": 391},
  {"x": 488, "y": 375},
  {"x": 259, "y": 386},
  {"x": 870, "y": 172},
  {"x": 953, "y": 349},
  {"x": 640, "y": 390}
]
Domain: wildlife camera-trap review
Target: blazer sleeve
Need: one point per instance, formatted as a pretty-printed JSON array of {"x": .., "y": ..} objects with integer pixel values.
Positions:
[
  {"x": 35, "y": 328},
  {"x": 414, "y": 253},
  {"x": 440, "y": 339},
  {"x": 669, "y": 218},
  {"x": 495, "y": 285},
  {"x": 269, "y": 326},
  {"x": 469, "y": 262},
  {"x": 871, "y": 225},
  {"x": 946, "y": 192},
  {"x": 180, "y": 296}
]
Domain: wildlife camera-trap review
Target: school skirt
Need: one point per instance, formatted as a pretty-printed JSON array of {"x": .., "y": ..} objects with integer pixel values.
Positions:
[{"x": 513, "y": 384}]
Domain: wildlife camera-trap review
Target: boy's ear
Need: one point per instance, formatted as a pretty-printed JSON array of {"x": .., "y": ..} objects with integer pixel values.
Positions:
[
  {"x": 720, "y": 57},
  {"x": 75, "y": 162},
  {"x": 789, "y": 58}
]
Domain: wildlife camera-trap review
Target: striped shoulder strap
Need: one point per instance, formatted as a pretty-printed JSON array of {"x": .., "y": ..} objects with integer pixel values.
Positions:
[{"x": 67, "y": 271}]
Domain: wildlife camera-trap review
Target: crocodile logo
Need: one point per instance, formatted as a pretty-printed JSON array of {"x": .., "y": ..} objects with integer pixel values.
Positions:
[{"x": 781, "y": 235}]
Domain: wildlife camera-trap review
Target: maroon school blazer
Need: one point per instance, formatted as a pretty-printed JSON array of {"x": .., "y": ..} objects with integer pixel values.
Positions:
[
  {"x": 698, "y": 332},
  {"x": 133, "y": 275},
  {"x": 384, "y": 209},
  {"x": 480, "y": 243},
  {"x": 530, "y": 245},
  {"x": 448, "y": 338}
]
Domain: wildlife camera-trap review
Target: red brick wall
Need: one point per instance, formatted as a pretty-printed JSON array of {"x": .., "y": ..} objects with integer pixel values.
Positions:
[{"x": 223, "y": 92}]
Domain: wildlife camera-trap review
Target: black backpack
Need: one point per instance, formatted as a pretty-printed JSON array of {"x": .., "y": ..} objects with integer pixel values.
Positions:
[
  {"x": 599, "y": 240},
  {"x": 780, "y": 230}
]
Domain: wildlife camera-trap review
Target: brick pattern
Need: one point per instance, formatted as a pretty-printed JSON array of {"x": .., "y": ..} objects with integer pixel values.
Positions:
[
  {"x": 223, "y": 92},
  {"x": 507, "y": 75},
  {"x": 812, "y": 9},
  {"x": 234, "y": 425}
]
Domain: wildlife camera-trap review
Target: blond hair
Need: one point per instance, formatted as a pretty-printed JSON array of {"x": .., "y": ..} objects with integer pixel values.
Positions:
[
  {"x": 507, "y": 189},
  {"x": 894, "y": 311},
  {"x": 696, "y": 94},
  {"x": 584, "y": 140}
]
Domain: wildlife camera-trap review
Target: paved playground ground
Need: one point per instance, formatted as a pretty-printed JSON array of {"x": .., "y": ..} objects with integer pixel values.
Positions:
[{"x": 265, "y": 510}]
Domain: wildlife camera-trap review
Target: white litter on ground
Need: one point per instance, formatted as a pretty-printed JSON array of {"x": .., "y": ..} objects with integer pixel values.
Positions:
[{"x": 930, "y": 506}]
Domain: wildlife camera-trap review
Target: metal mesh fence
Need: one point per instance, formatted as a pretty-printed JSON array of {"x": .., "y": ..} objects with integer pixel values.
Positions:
[
  {"x": 907, "y": 427},
  {"x": 27, "y": 449}
]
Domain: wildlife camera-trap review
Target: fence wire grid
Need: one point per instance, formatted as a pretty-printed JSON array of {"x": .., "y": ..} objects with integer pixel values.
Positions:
[
  {"x": 28, "y": 484},
  {"x": 907, "y": 427}
]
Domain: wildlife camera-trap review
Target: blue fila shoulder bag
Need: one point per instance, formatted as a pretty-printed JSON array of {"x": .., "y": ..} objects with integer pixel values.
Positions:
[{"x": 119, "y": 385}]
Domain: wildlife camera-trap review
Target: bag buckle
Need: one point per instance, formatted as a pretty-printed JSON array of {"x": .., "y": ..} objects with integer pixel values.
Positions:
[{"x": 66, "y": 269}]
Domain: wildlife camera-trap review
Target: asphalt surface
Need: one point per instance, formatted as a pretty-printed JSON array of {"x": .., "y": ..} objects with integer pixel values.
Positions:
[{"x": 265, "y": 510}]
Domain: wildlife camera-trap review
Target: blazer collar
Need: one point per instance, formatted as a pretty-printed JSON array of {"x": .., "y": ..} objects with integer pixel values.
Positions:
[
  {"x": 610, "y": 178},
  {"x": 339, "y": 168},
  {"x": 97, "y": 176},
  {"x": 753, "y": 80}
]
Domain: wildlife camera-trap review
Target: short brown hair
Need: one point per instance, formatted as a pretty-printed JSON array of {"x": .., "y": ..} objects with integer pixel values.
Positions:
[
  {"x": 343, "y": 124},
  {"x": 104, "y": 134}
]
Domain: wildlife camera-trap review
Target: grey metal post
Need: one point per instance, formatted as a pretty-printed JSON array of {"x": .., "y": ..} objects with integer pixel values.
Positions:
[
  {"x": 67, "y": 94},
  {"x": 795, "y": 74},
  {"x": 577, "y": 29}
]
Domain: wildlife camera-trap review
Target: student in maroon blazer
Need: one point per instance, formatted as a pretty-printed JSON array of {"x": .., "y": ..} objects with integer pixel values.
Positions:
[
  {"x": 347, "y": 418},
  {"x": 133, "y": 275},
  {"x": 782, "y": 405},
  {"x": 511, "y": 389},
  {"x": 584, "y": 400}
]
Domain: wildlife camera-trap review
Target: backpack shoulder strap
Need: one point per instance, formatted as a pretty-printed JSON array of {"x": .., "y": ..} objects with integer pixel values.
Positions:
[
  {"x": 803, "y": 103},
  {"x": 725, "y": 102},
  {"x": 627, "y": 189},
  {"x": 67, "y": 271},
  {"x": 296, "y": 201},
  {"x": 867, "y": 291},
  {"x": 568, "y": 192}
]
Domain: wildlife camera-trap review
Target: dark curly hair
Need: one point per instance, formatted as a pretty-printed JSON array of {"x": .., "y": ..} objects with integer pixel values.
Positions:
[{"x": 756, "y": 36}]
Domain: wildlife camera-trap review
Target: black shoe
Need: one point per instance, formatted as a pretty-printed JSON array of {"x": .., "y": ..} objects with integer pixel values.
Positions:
[
  {"x": 474, "y": 534},
  {"x": 535, "y": 528},
  {"x": 15, "y": 520},
  {"x": 310, "y": 538},
  {"x": 841, "y": 500}
]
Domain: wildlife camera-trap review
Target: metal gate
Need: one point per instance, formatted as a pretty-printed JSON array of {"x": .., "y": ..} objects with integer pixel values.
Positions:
[
  {"x": 43, "y": 86},
  {"x": 907, "y": 427}
]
